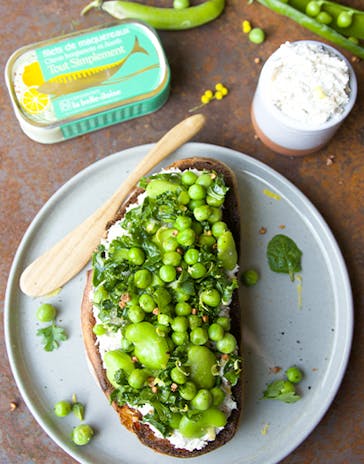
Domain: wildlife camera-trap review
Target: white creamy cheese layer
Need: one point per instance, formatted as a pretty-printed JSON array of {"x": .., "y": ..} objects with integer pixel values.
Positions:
[
  {"x": 308, "y": 83},
  {"x": 112, "y": 341}
]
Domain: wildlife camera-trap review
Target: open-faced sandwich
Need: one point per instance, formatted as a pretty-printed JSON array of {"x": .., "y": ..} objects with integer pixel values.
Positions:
[{"x": 160, "y": 312}]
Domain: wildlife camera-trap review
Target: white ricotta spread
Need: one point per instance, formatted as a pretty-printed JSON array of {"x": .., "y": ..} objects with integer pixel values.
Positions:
[
  {"x": 112, "y": 341},
  {"x": 309, "y": 83}
]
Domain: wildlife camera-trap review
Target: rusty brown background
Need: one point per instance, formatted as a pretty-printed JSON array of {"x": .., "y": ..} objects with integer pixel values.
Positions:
[{"x": 332, "y": 179}]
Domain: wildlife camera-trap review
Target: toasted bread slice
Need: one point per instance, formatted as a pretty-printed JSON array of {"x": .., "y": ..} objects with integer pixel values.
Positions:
[{"x": 130, "y": 417}]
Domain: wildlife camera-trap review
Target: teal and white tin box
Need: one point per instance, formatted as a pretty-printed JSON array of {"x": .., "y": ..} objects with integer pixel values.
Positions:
[{"x": 84, "y": 81}]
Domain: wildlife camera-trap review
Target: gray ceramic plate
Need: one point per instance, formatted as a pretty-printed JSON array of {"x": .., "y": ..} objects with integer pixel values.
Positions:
[{"x": 277, "y": 331}]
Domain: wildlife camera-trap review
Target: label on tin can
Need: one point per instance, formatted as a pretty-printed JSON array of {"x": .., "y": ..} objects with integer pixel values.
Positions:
[{"x": 94, "y": 71}]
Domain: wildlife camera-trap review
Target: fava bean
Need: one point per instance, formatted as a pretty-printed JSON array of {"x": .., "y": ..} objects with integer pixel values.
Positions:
[{"x": 201, "y": 361}]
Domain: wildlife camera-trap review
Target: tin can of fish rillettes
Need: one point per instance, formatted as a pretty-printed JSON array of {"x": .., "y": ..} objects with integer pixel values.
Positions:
[{"x": 85, "y": 81}]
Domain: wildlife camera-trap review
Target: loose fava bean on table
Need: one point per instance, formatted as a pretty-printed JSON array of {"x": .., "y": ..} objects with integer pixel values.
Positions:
[
  {"x": 159, "y": 17},
  {"x": 347, "y": 37},
  {"x": 168, "y": 293}
]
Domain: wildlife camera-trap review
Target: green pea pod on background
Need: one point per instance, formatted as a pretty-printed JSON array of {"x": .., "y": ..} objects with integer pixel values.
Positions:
[
  {"x": 313, "y": 25},
  {"x": 159, "y": 17},
  {"x": 355, "y": 18}
]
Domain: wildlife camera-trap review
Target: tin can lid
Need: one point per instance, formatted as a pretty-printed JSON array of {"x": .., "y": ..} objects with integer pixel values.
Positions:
[{"x": 84, "y": 81}]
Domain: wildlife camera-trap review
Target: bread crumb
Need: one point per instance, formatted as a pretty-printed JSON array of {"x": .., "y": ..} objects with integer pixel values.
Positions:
[
  {"x": 262, "y": 230},
  {"x": 13, "y": 406},
  {"x": 275, "y": 369},
  {"x": 257, "y": 60}
]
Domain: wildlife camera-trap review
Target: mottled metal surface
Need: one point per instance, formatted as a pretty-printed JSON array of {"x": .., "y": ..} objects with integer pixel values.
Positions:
[{"x": 332, "y": 179}]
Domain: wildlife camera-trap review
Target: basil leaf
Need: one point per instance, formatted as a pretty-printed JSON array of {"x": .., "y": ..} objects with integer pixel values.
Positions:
[{"x": 284, "y": 255}]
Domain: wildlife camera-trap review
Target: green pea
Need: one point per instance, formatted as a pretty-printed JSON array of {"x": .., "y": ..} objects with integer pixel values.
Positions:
[
  {"x": 344, "y": 19},
  {"x": 218, "y": 228},
  {"x": 62, "y": 408},
  {"x": 212, "y": 201},
  {"x": 46, "y": 312},
  {"x": 143, "y": 278},
  {"x": 193, "y": 204},
  {"x": 183, "y": 198},
  {"x": 180, "y": 324},
  {"x": 324, "y": 18},
  {"x": 137, "y": 378},
  {"x": 162, "y": 297},
  {"x": 211, "y": 297},
  {"x": 257, "y": 35},
  {"x": 199, "y": 336},
  {"x": 294, "y": 374},
  {"x": 250, "y": 277},
  {"x": 186, "y": 237},
  {"x": 205, "y": 180},
  {"x": 78, "y": 410},
  {"x": 287, "y": 387},
  {"x": 167, "y": 273},
  {"x": 202, "y": 212},
  {"x": 136, "y": 256},
  {"x": 164, "y": 319},
  {"x": 227, "y": 344},
  {"x": 183, "y": 309},
  {"x": 188, "y": 178},
  {"x": 136, "y": 314},
  {"x": 218, "y": 396},
  {"x": 313, "y": 8},
  {"x": 206, "y": 240},
  {"x": 197, "y": 192},
  {"x": 99, "y": 329},
  {"x": 146, "y": 302},
  {"x": 202, "y": 401},
  {"x": 170, "y": 244},
  {"x": 191, "y": 256},
  {"x": 197, "y": 271},
  {"x": 172, "y": 258},
  {"x": 178, "y": 376},
  {"x": 183, "y": 222},
  {"x": 180, "y": 338},
  {"x": 216, "y": 332},
  {"x": 215, "y": 216},
  {"x": 188, "y": 390},
  {"x": 224, "y": 321},
  {"x": 82, "y": 434}
]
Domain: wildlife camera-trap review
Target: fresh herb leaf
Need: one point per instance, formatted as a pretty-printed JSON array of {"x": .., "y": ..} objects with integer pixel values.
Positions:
[
  {"x": 281, "y": 390},
  {"x": 284, "y": 255},
  {"x": 52, "y": 335}
]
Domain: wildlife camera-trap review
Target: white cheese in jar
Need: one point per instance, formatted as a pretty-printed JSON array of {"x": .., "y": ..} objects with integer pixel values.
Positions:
[{"x": 309, "y": 84}]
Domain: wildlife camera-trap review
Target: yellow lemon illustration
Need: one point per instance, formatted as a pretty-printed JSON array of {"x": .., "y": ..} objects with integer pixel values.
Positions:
[
  {"x": 33, "y": 101},
  {"x": 32, "y": 74}
]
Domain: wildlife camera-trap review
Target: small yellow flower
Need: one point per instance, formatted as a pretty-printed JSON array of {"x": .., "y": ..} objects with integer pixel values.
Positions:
[
  {"x": 246, "y": 26},
  {"x": 218, "y": 95}
]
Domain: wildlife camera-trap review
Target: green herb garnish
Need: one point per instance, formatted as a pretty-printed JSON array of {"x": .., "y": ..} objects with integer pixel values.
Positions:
[
  {"x": 52, "y": 335},
  {"x": 281, "y": 390},
  {"x": 284, "y": 255}
]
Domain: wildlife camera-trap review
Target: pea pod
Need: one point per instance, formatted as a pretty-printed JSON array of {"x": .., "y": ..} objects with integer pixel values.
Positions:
[
  {"x": 356, "y": 23},
  {"x": 161, "y": 18},
  {"x": 322, "y": 30}
]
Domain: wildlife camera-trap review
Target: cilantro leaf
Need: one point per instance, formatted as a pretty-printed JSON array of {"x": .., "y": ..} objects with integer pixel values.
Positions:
[{"x": 52, "y": 335}]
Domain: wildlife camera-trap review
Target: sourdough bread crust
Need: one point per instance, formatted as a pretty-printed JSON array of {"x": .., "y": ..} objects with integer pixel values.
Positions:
[{"x": 128, "y": 416}]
